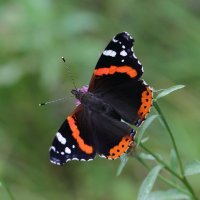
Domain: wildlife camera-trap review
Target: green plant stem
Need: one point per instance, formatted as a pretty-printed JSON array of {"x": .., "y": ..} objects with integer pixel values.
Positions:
[
  {"x": 163, "y": 178},
  {"x": 161, "y": 162},
  {"x": 182, "y": 177},
  {"x": 171, "y": 136}
]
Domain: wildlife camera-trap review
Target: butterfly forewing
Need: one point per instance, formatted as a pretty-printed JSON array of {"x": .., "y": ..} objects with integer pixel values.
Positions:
[
  {"x": 73, "y": 141},
  {"x": 116, "y": 79}
]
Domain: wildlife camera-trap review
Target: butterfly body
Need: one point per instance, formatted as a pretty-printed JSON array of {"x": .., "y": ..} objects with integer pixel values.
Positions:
[
  {"x": 115, "y": 98},
  {"x": 92, "y": 102}
]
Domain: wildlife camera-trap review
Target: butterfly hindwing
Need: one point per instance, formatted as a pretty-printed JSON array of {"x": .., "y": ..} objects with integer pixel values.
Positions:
[
  {"x": 112, "y": 136},
  {"x": 80, "y": 137},
  {"x": 131, "y": 100}
]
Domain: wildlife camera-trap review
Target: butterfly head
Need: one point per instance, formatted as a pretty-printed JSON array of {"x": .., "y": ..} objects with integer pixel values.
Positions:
[{"x": 78, "y": 94}]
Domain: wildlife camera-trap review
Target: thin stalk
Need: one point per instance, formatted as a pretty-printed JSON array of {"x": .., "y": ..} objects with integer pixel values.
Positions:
[
  {"x": 183, "y": 178},
  {"x": 161, "y": 162},
  {"x": 173, "y": 185},
  {"x": 171, "y": 136},
  {"x": 165, "y": 180}
]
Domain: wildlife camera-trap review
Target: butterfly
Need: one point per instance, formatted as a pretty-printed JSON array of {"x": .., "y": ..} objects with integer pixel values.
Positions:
[{"x": 115, "y": 98}]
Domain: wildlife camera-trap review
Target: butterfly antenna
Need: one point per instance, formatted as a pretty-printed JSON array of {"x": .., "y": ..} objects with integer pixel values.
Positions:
[
  {"x": 71, "y": 75},
  {"x": 53, "y": 101},
  {"x": 61, "y": 99}
]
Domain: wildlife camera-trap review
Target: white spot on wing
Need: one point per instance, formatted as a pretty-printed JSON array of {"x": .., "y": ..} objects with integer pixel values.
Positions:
[
  {"x": 67, "y": 150},
  {"x": 123, "y": 53},
  {"x": 62, "y": 153},
  {"x": 123, "y": 46},
  {"x": 102, "y": 156},
  {"x": 52, "y": 148},
  {"x": 55, "y": 163},
  {"x": 128, "y": 35},
  {"x": 122, "y": 60},
  {"x": 109, "y": 53},
  {"x": 145, "y": 83},
  {"x": 60, "y": 138},
  {"x": 75, "y": 159},
  {"x": 134, "y": 56},
  {"x": 114, "y": 40},
  {"x": 139, "y": 62},
  {"x": 73, "y": 146}
]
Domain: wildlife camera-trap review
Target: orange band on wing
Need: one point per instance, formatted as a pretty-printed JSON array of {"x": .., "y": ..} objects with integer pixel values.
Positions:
[
  {"x": 147, "y": 99},
  {"x": 121, "y": 148},
  {"x": 76, "y": 134},
  {"x": 116, "y": 69}
]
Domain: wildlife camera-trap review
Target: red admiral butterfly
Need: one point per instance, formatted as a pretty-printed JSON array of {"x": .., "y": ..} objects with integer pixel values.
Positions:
[{"x": 115, "y": 98}]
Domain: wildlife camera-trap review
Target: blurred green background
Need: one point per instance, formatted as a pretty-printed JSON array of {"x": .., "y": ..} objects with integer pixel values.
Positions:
[{"x": 35, "y": 34}]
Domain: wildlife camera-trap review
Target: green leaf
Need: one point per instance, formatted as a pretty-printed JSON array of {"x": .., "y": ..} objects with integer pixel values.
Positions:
[
  {"x": 192, "y": 168},
  {"x": 144, "y": 140},
  {"x": 148, "y": 183},
  {"x": 6, "y": 190},
  {"x": 167, "y": 91},
  {"x": 174, "y": 161},
  {"x": 144, "y": 127},
  {"x": 123, "y": 160},
  {"x": 146, "y": 156},
  {"x": 172, "y": 194}
]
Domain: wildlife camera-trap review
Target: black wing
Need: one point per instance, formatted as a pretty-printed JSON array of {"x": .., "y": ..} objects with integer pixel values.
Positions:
[
  {"x": 73, "y": 141},
  {"x": 116, "y": 80},
  {"x": 86, "y": 133}
]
